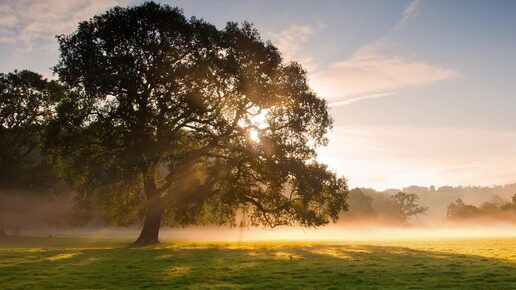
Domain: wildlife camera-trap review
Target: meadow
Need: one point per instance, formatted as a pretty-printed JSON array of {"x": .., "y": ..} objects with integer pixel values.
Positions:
[{"x": 71, "y": 263}]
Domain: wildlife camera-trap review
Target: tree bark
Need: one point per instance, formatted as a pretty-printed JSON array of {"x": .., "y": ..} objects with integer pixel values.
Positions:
[{"x": 150, "y": 232}]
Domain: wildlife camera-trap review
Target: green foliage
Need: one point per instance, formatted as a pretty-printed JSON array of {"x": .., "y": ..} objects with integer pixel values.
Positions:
[
  {"x": 164, "y": 109},
  {"x": 27, "y": 103}
]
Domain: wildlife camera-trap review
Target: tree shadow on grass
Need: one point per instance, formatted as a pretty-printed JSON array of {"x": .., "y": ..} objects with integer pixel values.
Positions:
[{"x": 247, "y": 265}]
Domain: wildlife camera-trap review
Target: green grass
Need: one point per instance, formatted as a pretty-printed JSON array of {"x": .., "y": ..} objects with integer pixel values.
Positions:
[{"x": 80, "y": 263}]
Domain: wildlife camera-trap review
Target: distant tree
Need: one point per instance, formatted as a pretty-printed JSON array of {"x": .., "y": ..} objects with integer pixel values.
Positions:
[
  {"x": 459, "y": 210},
  {"x": 489, "y": 208},
  {"x": 382, "y": 206},
  {"x": 192, "y": 122},
  {"x": 359, "y": 204},
  {"x": 406, "y": 205},
  {"x": 510, "y": 206},
  {"x": 416, "y": 189},
  {"x": 494, "y": 209},
  {"x": 27, "y": 103}
]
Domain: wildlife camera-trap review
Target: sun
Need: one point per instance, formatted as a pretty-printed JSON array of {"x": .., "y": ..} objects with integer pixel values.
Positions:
[
  {"x": 257, "y": 122},
  {"x": 254, "y": 135}
]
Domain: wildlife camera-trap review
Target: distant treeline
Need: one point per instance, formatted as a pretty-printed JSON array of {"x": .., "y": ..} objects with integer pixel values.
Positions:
[
  {"x": 496, "y": 208},
  {"x": 445, "y": 203},
  {"x": 22, "y": 210},
  {"x": 381, "y": 207}
]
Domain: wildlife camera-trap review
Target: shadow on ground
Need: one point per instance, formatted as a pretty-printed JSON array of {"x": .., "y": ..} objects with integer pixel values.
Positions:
[{"x": 60, "y": 263}]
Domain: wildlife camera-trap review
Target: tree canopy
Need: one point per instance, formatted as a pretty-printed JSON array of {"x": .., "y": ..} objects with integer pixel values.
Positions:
[
  {"x": 27, "y": 103},
  {"x": 407, "y": 206},
  {"x": 196, "y": 122}
]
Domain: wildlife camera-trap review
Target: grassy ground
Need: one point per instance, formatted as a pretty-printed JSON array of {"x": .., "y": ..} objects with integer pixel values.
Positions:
[{"x": 79, "y": 263}]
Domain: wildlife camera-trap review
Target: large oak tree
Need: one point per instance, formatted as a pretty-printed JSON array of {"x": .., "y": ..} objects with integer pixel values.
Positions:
[{"x": 177, "y": 121}]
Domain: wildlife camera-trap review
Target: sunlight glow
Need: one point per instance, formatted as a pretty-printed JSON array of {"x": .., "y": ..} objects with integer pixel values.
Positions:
[
  {"x": 62, "y": 256},
  {"x": 178, "y": 271},
  {"x": 260, "y": 119},
  {"x": 253, "y": 134},
  {"x": 340, "y": 233},
  {"x": 257, "y": 121},
  {"x": 334, "y": 253}
]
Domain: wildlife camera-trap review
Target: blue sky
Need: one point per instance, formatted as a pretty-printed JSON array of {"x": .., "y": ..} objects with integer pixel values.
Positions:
[{"x": 422, "y": 92}]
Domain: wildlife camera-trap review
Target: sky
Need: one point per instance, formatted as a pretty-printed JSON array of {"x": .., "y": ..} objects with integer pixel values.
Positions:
[{"x": 422, "y": 91}]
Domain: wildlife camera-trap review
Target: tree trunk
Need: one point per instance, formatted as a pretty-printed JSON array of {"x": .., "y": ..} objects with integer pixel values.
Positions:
[{"x": 150, "y": 231}]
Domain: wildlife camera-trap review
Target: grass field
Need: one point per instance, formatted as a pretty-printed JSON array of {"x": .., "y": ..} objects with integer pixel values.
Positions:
[{"x": 81, "y": 263}]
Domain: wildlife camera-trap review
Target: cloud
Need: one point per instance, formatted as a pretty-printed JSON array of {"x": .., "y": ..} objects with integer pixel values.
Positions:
[
  {"x": 356, "y": 99},
  {"x": 410, "y": 10},
  {"x": 291, "y": 41},
  {"x": 370, "y": 73},
  {"x": 7, "y": 18},
  {"x": 32, "y": 24}
]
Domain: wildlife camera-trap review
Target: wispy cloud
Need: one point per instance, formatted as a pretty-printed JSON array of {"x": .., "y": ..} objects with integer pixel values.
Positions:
[
  {"x": 370, "y": 73},
  {"x": 31, "y": 24},
  {"x": 292, "y": 40},
  {"x": 410, "y": 10},
  {"x": 359, "y": 98}
]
